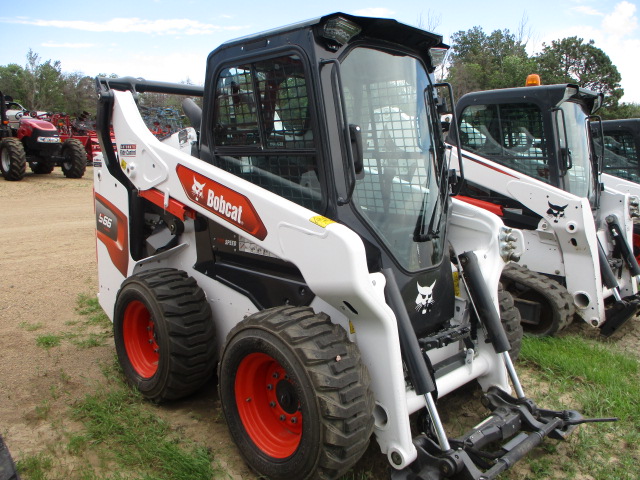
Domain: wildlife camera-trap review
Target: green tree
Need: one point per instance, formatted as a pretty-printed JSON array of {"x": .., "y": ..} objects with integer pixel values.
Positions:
[
  {"x": 11, "y": 80},
  {"x": 622, "y": 110},
  {"x": 571, "y": 60},
  {"x": 483, "y": 62},
  {"x": 79, "y": 92}
]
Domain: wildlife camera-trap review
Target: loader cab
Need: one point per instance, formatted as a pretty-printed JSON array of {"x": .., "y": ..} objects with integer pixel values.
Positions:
[
  {"x": 337, "y": 116},
  {"x": 541, "y": 131},
  {"x": 621, "y": 148}
]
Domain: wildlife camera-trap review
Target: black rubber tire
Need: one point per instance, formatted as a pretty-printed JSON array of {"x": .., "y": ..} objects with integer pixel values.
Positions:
[
  {"x": 42, "y": 166},
  {"x": 75, "y": 158},
  {"x": 557, "y": 308},
  {"x": 330, "y": 385},
  {"x": 7, "y": 467},
  {"x": 183, "y": 331},
  {"x": 13, "y": 160},
  {"x": 511, "y": 322}
]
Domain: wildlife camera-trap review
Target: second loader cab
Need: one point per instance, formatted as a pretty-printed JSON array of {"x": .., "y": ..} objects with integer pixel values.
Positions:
[{"x": 530, "y": 157}]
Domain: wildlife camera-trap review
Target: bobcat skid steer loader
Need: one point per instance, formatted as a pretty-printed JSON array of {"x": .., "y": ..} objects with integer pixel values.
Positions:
[
  {"x": 326, "y": 274},
  {"x": 529, "y": 157}
]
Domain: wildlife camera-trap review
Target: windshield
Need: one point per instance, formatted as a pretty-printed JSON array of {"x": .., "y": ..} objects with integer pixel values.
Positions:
[
  {"x": 580, "y": 179},
  {"x": 399, "y": 193}
]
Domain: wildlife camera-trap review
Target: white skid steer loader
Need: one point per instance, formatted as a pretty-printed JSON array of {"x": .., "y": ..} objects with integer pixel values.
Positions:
[
  {"x": 529, "y": 157},
  {"x": 321, "y": 266}
]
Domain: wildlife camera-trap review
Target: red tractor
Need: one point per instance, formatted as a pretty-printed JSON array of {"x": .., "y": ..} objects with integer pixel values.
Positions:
[{"x": 35, "y": 140}]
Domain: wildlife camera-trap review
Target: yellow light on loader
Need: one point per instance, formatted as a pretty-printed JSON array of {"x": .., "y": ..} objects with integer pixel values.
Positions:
[{"x": 533, "y": 80}]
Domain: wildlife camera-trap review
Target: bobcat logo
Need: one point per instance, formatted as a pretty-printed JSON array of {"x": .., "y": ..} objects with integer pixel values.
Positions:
[
  {"x": 197, "y": 189},
  {"x": 424, "y": 300},
  {"x": 556, "y": 211}
]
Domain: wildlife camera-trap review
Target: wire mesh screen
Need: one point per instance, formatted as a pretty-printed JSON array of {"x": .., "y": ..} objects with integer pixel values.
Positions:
[
  {"x": 509, "y": 134},
  {"x": 291, "y": 177},
  {"x": 266, "y": 104},
  {"x": 394, "y": 160},
  {"x": 236, "y": 111}
]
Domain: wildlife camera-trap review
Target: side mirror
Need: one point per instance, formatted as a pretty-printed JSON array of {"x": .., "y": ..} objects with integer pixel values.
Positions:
[{"x": 355, "y": 135}]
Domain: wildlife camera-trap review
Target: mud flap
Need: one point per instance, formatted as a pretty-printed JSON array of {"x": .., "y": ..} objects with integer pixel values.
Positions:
[{"x": 515, "y": 427}]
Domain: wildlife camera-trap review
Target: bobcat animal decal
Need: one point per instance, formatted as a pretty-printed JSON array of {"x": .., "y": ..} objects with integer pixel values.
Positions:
[
  {"x": 556, "y": 211},
  {"x": 424, "y": 300},
  {"x": 197, "y": 189}
]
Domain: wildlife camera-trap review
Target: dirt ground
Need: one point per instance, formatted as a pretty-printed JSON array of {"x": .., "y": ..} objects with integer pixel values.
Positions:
[{"x": 47, "y": 258}]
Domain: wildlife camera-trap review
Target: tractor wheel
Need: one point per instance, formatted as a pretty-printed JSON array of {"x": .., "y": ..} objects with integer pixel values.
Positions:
[
  {"x": 75, "y": 158},
  {"x": 13, "y": 160},
  {"x": 295, "y": 394},
  {"x": 511, "y": 322},
  {"x": 42, "y": 165},
  {"x": 164, "y": 334},
  {"x": 7, "y": 467},
  {"x": 533, "y": 291}
]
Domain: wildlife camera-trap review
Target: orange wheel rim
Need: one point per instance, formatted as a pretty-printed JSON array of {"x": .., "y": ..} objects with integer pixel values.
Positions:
[
  {"x": 268, "y": 405},
  {"x": 140, "y": 339}
]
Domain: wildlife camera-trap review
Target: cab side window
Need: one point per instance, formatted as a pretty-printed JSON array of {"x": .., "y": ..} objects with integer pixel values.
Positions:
[
  {"x": 263, "y": 129},
  {"x": 509, "y": 134},
  {"x": 620, "y": 155}
]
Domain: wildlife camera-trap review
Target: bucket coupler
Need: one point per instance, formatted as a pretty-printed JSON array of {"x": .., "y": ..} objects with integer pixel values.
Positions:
[
  {"x": 618, "y": 313},
  {"x": 515, "y": 427}
]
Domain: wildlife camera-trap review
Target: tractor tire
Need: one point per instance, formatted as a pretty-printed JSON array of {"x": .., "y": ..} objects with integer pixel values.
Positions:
[
  {"x": 7, "y": 467},
  {"x": 75, "y": 158},
  {"x": 511, "y": 322},
  {"x": 556, "y": 304},
  {"x": 13, "y": 160},
  {"x": 164, "y": 334},
  {"x": 295, "y": 394},
  {"x": 42, "y": 166}
]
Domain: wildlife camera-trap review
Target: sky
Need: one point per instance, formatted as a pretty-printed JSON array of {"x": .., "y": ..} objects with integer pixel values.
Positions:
[{"x": 169, "y": 41}]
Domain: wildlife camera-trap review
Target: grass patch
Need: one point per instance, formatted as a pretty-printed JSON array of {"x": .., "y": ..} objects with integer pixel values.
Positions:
[
  {"x": 48, "y": 340},
  {"x": 117, "y": 420},
  {"x": 600, "y": 382},
  {"x": 606, "y": 382},
  {"x": 31, "y": 327},
  {"x": 35, "y": 467},
  {"x": 89, "y": 307}
]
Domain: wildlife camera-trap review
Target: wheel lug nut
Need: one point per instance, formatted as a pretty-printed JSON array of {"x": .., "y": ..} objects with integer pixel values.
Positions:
[
  {"x": 294, "y": 419},
  {"x": 272, "y": 404},
  {"x": 269, "y": 387},
  {"x": 282, "y": 418},
  {"x": 150, "y": 340},
  {"x": 275, "y": 375}
]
